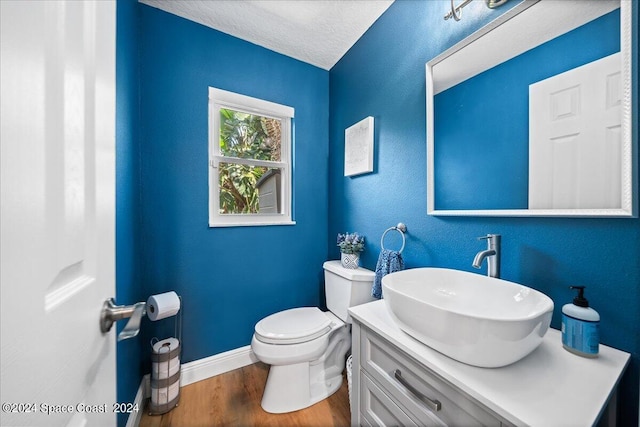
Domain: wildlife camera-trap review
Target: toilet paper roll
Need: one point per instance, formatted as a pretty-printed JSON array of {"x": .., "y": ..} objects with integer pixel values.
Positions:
[
  {"x": 163, "y": 305},
  {"x": 165, "y": 346},
  {"x": 163, "y": 370},
  {"x": 164, "y": 395}
]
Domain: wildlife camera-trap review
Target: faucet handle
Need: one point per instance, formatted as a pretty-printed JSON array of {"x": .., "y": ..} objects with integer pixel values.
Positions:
[
  {"x": 493, "y": 241},
  {"x": 489, "y": 237}
]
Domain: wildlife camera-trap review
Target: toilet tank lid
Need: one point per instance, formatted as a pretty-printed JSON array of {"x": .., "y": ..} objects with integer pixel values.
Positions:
[{"x": 355, "y": 274}]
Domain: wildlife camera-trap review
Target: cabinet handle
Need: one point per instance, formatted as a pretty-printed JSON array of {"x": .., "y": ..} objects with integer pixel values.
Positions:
[{"x": 433, "y": 404}]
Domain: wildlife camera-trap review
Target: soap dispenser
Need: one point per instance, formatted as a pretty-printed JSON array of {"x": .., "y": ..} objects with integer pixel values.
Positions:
[{"x": 580, "y": 326}]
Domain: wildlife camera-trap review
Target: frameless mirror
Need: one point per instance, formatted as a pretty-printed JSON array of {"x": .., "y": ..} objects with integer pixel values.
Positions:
[{"x": 531, "y": 115}]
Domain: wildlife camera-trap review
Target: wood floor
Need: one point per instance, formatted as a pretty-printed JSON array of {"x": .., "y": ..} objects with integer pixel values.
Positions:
[{"x": 233, "y": 399}]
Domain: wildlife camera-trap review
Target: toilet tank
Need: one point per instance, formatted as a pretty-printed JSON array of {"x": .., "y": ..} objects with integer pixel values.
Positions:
[{"x": 346, "y": 287}]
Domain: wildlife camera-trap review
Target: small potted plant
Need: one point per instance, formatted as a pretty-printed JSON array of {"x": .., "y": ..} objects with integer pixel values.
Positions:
[{"x": 350, "y": 244}]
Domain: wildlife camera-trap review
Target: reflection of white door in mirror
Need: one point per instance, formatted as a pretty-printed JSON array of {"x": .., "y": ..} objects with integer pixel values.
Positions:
[{"x": 575, "y": 138}]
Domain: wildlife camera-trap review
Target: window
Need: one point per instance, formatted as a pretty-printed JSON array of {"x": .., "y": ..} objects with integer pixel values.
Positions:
[{"x": 250, "y": 146}]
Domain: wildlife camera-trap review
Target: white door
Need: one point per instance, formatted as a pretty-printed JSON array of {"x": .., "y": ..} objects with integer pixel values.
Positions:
[
  {"x": 575, "y": 138},
  {"x": 57, "y": 211}
]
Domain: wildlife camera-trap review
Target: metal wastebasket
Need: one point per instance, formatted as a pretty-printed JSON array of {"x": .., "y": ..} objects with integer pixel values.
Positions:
[{"x": 349, "y": 374}]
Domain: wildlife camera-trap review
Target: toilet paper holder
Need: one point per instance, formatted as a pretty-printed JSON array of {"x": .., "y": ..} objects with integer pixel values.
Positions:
[{"x": 111, "y": 313}]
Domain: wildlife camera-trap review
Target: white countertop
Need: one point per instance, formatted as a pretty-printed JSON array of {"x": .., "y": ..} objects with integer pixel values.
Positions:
[{"x": 549, "y": 387}]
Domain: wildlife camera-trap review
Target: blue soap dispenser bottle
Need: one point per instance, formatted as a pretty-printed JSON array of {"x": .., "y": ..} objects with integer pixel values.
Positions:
[{"x": 580, "y": 326}]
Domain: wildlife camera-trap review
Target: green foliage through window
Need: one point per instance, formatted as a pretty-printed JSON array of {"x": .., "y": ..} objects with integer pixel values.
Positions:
[{"x": 245, "y": 136}]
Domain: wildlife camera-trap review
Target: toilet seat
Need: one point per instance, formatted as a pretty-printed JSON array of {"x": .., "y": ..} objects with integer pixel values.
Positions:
[{"x": 293, "y": 326}]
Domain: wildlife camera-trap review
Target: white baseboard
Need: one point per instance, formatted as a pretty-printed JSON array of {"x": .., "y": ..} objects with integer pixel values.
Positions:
[
  {"x": 195, "y": 371},
  {"x": 217, "y": 364},
  {"x": 143, "y": 393}
]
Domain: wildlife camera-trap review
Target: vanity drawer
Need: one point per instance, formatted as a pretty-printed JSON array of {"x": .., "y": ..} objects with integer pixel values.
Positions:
[
  {"x": 377, "y": 409},
  {"x": 382, "y": 362}
]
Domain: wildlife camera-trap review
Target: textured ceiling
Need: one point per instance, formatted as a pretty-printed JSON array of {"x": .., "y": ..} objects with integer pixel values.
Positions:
[{"x": 318, "y": 32}]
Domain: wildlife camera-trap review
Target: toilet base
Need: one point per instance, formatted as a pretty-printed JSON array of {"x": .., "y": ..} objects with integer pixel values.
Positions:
[
  {"x": 281, "y": 394},
  {"x": 297, "y": 386},
  {"x": 287, "y": 388}
]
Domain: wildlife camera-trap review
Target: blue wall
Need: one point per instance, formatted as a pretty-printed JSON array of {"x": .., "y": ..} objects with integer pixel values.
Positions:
[
  {"x": 383, "y": 75},
  {"x": 229, "y": 278},
  {"x": 130, "y": 364}
]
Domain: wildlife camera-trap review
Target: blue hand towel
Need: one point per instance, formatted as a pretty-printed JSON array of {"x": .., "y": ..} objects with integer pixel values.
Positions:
[{"x": 388, "y": 262}]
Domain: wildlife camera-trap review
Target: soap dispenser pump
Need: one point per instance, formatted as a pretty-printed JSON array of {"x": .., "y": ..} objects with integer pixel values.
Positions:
[{"x": 580, "y": 326}]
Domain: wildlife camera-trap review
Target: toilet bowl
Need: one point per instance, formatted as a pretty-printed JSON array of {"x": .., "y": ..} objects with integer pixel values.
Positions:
[{"x": 307, "y": 347}]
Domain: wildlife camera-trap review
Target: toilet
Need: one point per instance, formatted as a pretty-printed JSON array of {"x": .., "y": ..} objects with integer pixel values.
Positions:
[{"x": 306, "y": 347}]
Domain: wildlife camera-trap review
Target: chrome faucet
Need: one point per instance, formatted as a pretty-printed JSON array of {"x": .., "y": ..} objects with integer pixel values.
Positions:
[{"x": 492, "y": 254}]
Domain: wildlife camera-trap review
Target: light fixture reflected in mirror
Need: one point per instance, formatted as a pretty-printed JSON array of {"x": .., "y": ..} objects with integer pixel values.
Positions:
[
  {"x": 492, "y": 4},
  {"x": 456, "y": 11}
]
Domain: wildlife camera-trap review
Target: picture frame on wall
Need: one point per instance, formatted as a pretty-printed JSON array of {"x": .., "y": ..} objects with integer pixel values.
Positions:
[{"x": 358, "y": 148}]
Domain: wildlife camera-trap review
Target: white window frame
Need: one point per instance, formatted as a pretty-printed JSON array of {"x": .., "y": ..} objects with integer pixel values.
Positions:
[{"x": 218, "y": 99}]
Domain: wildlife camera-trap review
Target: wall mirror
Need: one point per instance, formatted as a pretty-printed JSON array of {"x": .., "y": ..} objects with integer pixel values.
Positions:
[{"x": 531, "y": 115}]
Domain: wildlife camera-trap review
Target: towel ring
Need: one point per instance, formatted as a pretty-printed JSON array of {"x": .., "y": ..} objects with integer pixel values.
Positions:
[{"x": 400, "y": 228}]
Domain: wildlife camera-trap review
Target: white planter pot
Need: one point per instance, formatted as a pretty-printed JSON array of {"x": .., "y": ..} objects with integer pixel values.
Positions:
[{"x": 350, "y": 260}]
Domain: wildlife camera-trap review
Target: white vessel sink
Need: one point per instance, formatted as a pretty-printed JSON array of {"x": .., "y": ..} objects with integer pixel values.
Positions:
[{"x": 471, "y": 318}]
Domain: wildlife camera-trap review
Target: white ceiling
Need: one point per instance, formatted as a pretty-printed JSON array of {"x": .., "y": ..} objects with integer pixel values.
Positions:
[{"x": 318, "y": 32}]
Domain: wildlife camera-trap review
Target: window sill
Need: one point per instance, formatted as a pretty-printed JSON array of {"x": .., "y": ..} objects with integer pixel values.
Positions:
[{"x": 251, "y": 224}]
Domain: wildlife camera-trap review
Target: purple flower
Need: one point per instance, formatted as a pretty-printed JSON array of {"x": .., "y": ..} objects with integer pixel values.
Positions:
[{"x": 350, "y": 243}]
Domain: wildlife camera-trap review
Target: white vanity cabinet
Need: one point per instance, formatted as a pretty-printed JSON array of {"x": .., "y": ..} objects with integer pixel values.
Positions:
[
  {"x": 397, "y": 381},
  {"x": 395, "y": 390}
]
